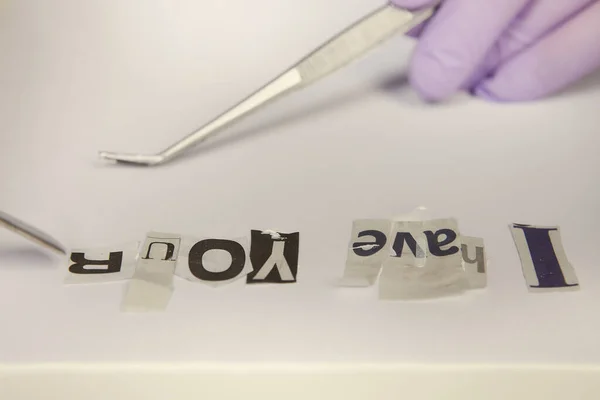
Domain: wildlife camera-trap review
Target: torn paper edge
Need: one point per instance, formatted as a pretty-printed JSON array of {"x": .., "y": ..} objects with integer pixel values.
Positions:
[
  {"x": 420, "y": 213},
  {"x": 151, "y": 287},
  {"x": 351, "y": 280},
  {"x": 274, "y": 234},
  {"x": 460, "y": 283}
]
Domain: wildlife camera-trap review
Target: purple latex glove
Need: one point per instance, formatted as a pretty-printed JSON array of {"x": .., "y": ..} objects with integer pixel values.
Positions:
[{"x": 504, "y": 50}]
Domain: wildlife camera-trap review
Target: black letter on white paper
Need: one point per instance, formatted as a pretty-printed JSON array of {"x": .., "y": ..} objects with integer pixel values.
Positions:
[
  {"x": 235, "y": 250},
  {"x": 435, "y": 244},
  {"x": 102, "y": 264},
  {"x": 169, "y": 253},
  {"x": 398, "y": 246},
  {"x": 274, "y": 257},
  {"x": 367, "y": 249},
  {"x": 112, "y": 265}
]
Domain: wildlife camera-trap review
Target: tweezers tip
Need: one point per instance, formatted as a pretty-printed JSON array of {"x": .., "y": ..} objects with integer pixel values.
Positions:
[
  {"x": 105, "y": 155},
  {"x": 131, "y": 159}
]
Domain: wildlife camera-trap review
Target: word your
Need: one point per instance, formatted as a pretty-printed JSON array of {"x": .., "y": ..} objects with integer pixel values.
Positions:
[{"x": 269, "y": 257}]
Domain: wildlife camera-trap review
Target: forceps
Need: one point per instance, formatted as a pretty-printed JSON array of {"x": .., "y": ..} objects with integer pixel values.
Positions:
[
  {"x": 30, "y": 232},
  {"x": 340, "y": 50}
]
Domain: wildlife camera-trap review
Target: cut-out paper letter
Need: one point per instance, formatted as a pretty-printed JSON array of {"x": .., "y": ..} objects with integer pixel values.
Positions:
[
  {"x": 100, "y": 265},
  {"x": 435, "y": 245},
  {"x": 402, "y": 239},
  {"x": 274, "y": 257},
  {"x": 151, "y": 286},
  {"x": 429, "y": 266},
  {"x": 369, "y": 247},
  {"x": 212, "y": 261},
  {"x": 474, "y": 261},
  {"x": 543, "y": 258}
]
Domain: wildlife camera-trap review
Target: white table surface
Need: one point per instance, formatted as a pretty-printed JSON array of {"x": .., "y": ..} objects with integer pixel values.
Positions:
[{"x": 77, "y": 77}]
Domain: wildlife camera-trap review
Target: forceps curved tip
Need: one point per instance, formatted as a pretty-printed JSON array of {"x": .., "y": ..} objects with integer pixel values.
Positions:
[
  {"x": 343, "y": 48},
  {"x": 139, "y": 159}
]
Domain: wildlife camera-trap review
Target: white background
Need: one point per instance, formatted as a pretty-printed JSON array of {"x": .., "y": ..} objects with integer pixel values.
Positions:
[{"x": 77, "y": 77}]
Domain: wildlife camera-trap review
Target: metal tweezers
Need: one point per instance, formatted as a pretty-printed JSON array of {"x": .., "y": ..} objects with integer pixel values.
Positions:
[
  {"x": 33, "y": 234},
  {"x": 345, "y": 47}
]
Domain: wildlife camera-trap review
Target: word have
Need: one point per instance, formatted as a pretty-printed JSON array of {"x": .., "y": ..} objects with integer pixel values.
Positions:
[
  {"x": 436, "y": 245},
  {"x": 414, "y": 259},
  {"x": 269, "y": 257}
]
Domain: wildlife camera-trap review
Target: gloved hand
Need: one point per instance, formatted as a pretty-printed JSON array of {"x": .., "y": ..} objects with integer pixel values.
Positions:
[{"x": 504, "y": 50}]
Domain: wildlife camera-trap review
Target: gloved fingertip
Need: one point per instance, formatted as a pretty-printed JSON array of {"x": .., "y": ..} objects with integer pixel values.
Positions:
[
  {"x": 412, "y": 4},
  {"x": 483, "y": 92},
  {"x": 433, "y": 79},
  {"x": 488, "y": 92},
  {"x": 425, "y": 92}
]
